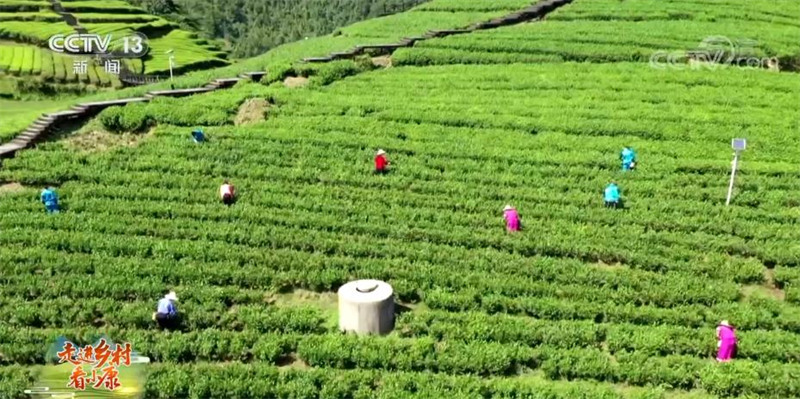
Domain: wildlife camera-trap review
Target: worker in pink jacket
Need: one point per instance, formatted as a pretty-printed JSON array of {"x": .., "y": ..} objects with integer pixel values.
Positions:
[
  {"x": 512, "y": 218},
  {"x": 726, "y": 343}
]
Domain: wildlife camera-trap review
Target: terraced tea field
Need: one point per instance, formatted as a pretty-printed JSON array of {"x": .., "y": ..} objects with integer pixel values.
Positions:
[
  {"x": 584, "y": 302},
  {"x": 612, "y": 31},
  {"x": 34, "y": 22},
  {"x": 28, "y": 60}
]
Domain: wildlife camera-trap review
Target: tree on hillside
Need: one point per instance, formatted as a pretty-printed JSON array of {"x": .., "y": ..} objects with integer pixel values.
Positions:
[{"x": 157, "y": 7}]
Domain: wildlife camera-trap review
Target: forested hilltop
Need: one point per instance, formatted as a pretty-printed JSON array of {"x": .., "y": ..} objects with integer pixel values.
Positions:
[{"x": 252, "y": 27}]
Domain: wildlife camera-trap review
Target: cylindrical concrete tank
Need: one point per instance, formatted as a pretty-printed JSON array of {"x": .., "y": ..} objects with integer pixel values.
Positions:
[{"x": 366, "y": 307}]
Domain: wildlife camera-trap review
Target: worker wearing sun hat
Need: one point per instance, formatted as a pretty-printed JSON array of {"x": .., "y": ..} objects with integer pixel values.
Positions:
[
  {"x": 227, "y": 193},
  {"x": 198, "y": 136},
  {"x": 628, "y": 158},
  {"x": 727, "y": 341},
  {"x": 611, "y": 195},
  {"x": 381, "y": 163},
  {"x": 167, "y": 312},
  {"x": 50, "y": 200},
  {"x": 512, "y": 218}
]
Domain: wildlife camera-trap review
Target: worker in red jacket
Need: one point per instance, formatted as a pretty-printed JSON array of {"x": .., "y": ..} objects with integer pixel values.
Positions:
[{"x": 381, "y": 163}]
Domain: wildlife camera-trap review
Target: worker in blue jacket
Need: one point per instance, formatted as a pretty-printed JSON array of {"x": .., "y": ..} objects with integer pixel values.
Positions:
[
  {"x": 628, "y": 157},
  {"x": 50, "y": 200},
  {"x": 198, "y": 136},
  {"x": 611, "y": 195},
  {"x": 166, "y": 314}
]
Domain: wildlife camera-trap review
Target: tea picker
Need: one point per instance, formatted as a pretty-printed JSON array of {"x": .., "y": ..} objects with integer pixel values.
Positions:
[
  {"x": 166, "y": 314},
  {"x": 628, "y": 158},
  {"x": 512, "y": 218},
  {"x": 381, "y": 163},
  {"x": 726, "y": 343},
  {"x": 50, "y": 200},
  {"x": 611, "y": 195},
  {"x": 198, "y": 136},
  {"x": 227, "y": 193}
]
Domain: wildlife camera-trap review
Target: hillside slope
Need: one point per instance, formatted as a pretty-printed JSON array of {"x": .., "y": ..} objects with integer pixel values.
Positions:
[
  {"x": 607, "y": 31},
  {"x": 585, "y": 301},
  {"x": 282, "y": 60}
]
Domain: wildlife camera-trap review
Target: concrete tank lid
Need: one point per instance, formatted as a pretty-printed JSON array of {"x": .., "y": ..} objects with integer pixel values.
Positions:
[{"x": 364, "y": 291}]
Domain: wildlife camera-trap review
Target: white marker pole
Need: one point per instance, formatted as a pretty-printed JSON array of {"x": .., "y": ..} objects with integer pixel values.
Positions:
[
  {"x": 171, "y": 58},
  {"x": 733, "y": 176},
  {"x": 170, "y": 67}
]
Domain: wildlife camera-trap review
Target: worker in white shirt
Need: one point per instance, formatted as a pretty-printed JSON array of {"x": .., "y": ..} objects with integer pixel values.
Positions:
[{"x": 227, "y": 193}]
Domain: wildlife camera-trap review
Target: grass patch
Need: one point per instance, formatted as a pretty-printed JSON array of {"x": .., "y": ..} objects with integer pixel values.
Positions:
[
  {"x": 607, "y": 266},
  {"x": 295, "y": 81},
  {"x": 768, "y": 289},
  {"x": 97, "y": 140},
  {"x": 291, "y": 361},
  {"x": 252, "y": 111},
  {"x": 384, "y": 61},
  {"x": 327, "y": 302},
  {"x": 11, "y": 188}
]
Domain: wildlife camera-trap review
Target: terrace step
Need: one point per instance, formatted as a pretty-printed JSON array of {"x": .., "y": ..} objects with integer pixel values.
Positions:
[
  {"x": 254, "y": 76},
  {"x": 385, "y": 46},
  {"x": 453, "y": 31},
  {"x": 103, "y": 104},
  {"x": 227, "y": 81},
  {"x": 26, "y": 137},
  {"x": 317, "y": 59},
  {"x": 178, "y": 92},
  {"x": 10, "y": 148},
  {"x": 67, "y": 113},
  {"x": 24, "y": 140},
  {"x": 30, "y": 133},
  {"x": 490, "y": 24},
  {"x": 342, "y": 54}
]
